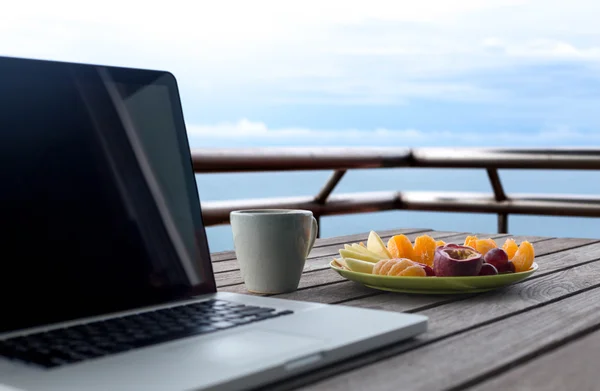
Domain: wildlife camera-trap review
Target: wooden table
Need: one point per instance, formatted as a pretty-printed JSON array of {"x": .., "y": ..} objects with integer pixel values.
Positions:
[{"x": 540, "y": 334}]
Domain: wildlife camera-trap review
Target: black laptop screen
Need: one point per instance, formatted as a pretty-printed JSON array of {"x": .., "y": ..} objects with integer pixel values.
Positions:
[{"x": 99, "y": 207}]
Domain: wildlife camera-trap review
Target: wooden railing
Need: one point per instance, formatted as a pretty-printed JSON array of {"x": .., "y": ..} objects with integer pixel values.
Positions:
[{"x": 342, "y": 159}]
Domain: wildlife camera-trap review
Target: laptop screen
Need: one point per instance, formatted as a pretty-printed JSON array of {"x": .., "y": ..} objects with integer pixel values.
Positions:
[{"x": 98, "y": 201}]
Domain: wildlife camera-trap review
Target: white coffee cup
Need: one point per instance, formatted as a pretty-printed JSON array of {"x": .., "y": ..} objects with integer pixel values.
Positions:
[{"x": 271, "y": 247}]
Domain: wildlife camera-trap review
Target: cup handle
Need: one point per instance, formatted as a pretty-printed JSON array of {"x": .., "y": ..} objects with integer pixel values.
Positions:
[{"x": 313, "y": 235}]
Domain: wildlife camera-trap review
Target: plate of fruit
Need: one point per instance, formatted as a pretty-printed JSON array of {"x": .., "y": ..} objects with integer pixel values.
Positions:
[{"x": 428, "y": 266}]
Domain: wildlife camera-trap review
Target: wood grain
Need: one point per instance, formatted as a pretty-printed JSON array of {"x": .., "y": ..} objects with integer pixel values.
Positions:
[
  {"x": 458, "y": 315},
  {"x": 568, "y": 254},
  {"x": 478, "y": 336},
  {"x": 558, "y": 244},
  {"x": 471, "y": 337},
  {"x": 571, "y": 367}
]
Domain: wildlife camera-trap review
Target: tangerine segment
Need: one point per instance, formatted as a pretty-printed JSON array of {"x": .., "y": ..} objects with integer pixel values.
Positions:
[
  {"x": 385, "y": 269},
  {"x": 511, "y": 247},
  {"x": 413, "y": 271},
  {"x": 524, "y": 256},
  {"x": 484, "y": 245},
  {"x": 424, "y": 250},
  {"x": 400, "y": 266},
  {"x": 399, "y": 246},
  {"x": 471, "y": 241},
  {"x": 379, "y": 265},
  {"x": 440, "y": 243}
]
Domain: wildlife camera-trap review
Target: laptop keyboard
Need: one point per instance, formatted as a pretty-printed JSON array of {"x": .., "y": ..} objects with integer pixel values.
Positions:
[{"x": 91, "y": 340}]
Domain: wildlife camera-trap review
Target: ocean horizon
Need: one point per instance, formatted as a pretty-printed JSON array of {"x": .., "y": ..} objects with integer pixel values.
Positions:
[{"x": 235, "y": 186}]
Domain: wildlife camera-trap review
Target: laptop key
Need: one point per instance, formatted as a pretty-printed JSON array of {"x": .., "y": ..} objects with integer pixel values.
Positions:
[
  {"x": 254, "y": 311},
  {"x": 224, "y": 311},
  {"x": 239, "y": 321},
  {"x": 205, "y": 329},
  {"x": 265, "y": 316},
  {"x": 222, "y": 325}
]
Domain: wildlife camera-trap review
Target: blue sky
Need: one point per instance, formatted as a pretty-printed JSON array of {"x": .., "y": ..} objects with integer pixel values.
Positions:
[{"x": 373, "y": 73}]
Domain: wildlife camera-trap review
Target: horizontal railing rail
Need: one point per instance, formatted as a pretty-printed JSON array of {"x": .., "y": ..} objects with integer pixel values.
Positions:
[
  {"x": 295, "y": 159},
  {"x": 342, "y": 159}
]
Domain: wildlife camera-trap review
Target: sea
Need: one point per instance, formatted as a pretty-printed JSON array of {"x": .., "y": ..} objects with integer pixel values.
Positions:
[{"x": 233, "y": 186}]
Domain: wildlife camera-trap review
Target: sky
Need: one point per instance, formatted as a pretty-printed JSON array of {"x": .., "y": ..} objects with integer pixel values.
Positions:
[{"x": 345, "y": 73}]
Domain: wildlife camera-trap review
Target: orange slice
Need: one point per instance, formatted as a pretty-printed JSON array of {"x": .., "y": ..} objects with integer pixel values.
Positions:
[
  {"x": 399, "y": 266},
  {"x": 413, "y": 271},
  {"x": 440, "y": 243},
  {"x": 511, "y": 247},
  {"x": 484, "y": 245},
  {"x": 383, "y": 267},
  {"x": 424, "y": 250},
  {"x": 399, "y": 246},
  {"x": 524, "y": 256},
  {"x": 471, "y": 241}
]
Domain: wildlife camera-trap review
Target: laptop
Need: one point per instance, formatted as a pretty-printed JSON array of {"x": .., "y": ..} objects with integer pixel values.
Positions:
[{"x": 106, "y": 280}]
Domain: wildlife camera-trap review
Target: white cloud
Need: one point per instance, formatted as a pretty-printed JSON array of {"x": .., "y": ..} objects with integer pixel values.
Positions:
[
  {"x": 248, "y": 133},
  {"x": 334, "y": 51},
  {"x": 545, "y": 49}
]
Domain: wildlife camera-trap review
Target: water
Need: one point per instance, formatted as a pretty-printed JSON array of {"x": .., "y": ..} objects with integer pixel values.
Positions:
[{"x": 214, "y": 187}]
